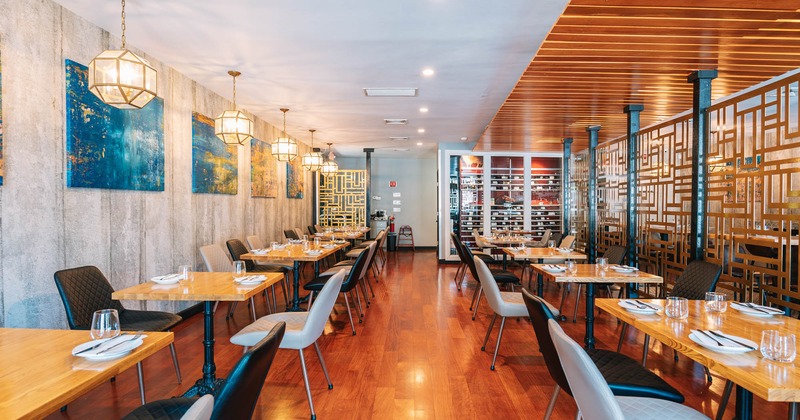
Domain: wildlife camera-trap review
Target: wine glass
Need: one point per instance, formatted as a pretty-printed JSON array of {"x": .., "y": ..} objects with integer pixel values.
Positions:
[
  {"x": 239, "y": 268},
  {"x": 105, "y": 324}
]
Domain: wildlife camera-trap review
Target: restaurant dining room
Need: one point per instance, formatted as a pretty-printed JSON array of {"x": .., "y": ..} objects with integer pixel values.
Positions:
[{"x": 431, "y": 209}]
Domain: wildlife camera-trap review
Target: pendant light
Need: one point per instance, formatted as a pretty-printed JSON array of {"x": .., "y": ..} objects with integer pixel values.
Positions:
[
  {"x": 329, "y": 167},
  {"x": 232, "y": 126},
  {"x": 284, "y": 149},
  {"x": 121, "y": 78},
  {"x": 313, "y": 160}
]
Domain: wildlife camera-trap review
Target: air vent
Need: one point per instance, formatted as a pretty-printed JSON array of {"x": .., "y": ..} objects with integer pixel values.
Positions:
[
  {"x": 398, "y": 138},
  {"x": 390, "y": 92},
  {"x": 395, "y": 121}
]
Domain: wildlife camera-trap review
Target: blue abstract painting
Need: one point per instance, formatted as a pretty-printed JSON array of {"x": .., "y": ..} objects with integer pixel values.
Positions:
[
  {"x": 109, "y": 147},
  {"x": 294, "y": 179},
  {"x": 215, "y": 165},
  {"x": 2, "y": 167}
]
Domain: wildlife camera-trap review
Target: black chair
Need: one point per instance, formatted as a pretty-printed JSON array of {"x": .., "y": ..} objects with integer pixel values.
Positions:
[
  {"x": 624, "y": 375},
  {"x": 358, "y": 270},
  {"x": 84, "y": 290},
  {"x": 290, "y": 234},
  {"x": 615, "y": 255},
  {"x": 237, "y": 249},
  {"x": 502, "y": 277},
  {"x": 312, "y": 230},
  {"x": 461, "y": 272},
  {"x": 238, "y": 396}
]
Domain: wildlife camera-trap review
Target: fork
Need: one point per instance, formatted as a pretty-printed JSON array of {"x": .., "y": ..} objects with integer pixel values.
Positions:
[
  {"x": 711, "y": 337},
  {"x": 135, "y": 337}
]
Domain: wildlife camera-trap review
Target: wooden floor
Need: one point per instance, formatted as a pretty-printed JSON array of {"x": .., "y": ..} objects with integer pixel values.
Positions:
[{"x": 417, "y": 355}]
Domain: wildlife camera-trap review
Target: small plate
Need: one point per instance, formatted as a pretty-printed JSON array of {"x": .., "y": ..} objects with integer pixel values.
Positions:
[
  {"x": 564, "y": 250},
  {"x": 259, "y": 251},
  {"x": 623, "y": 268},
  {"x": 119, "y": 351},
  {"x": 636, "y": 308},
  {"x": 167, "y": 279},
  {"x": 554, "y": 268},
  {"x": 756, "y": 312},
  {"x": 250, "y": 280},
  {"x": 313, "y": 252},
  {"x": 329, "y": 246},
  {"x": 708, "y": 343}
]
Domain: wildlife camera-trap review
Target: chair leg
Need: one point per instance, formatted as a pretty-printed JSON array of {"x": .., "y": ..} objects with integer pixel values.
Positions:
[
  {"x": 552, "y": 404},
  {"x": 175, "y": 361},
  {"x": 322, "y": 363},
  {"x": 458, "y": 274},
  {"x": 577, "y": 301},
  {"x": 370, "y": 284},
  {"x": 231, "y": 309},
  {"x": 645, "y": 349},
  {"x": 358, "y": 305},
  {"x": 310, "y": 299},
  {"x": 499, "y": 337},
  {"x": 723, "y": 402},
  {"x": 477, "y": 302},
  {"x": 709, "y": 378},
  {"x": 141, "y": 381},
  {"x": 213, "y": 311},
  {"x": 474, "y": 296},
  {"x": 622, "y": 336},
  {"x": 349, "y": 315},
  {"x": 305, "y": 380},
  {"x": 564, "y": 294},
  {"x": 253, "y": 308},
  {"x": 488, "y": 331}
]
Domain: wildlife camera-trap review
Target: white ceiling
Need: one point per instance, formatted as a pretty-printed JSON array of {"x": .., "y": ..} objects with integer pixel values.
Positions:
[{"x": 316, "y": 56}]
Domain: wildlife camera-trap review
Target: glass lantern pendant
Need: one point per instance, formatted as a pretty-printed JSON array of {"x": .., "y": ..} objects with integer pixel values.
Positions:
[
  {"x": 313, "y": 160},
  {"x": 233, "y": 126},
  {"x": 284, "y": 148}
]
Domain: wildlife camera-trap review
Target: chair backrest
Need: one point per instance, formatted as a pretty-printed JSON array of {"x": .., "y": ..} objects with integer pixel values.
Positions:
[
  {"x": 478, "y": 241},
  {"x": 358, "y": 269},
  {"x": 590, "y": 390},
  {"x": 556, "y": 238},
  {"x": 84, "y": 290},
  {"x": 458, "y": 246},
  {"x": 299, "y": 233},
  {"x": 546, "y": 237},
  {"x": 568, "y": 241},
  {"x": 237, "y": 248},
  {"x": 470, "y": 261},
  {"x": 319, "y": 228},
  {"x": 489, "y": 285},
  {"x": 201, "y": 409},
  {"x": 255, "y": 242},
  {"x": 312, "y": 230},
  {"x": 615, "y": 254},
  {"x": 540, "y": 314},
  {"x": 698, "y": 278},
  {"x": 321, "y": 309},
  {"x": 290, "y": 234},
  {"x": 215, "y": 258},
  {"x": 370, "y": 259},
  {"x": 238, "y": 397}
]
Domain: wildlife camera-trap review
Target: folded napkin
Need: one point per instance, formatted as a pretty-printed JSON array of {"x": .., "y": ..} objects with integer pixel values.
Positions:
[
  {"x": 259, "y": 251},
  {"x": 118, "y": 344},
  {"x": 711, "y": 339},
  {"x": 756, "y": 308},
  {"x": 553, "y": 267},
  {"x": 313, "y": 252},
  {"x": 256, "y": 278}
]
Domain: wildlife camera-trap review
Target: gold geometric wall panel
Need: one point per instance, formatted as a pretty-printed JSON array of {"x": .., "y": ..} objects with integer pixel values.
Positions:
[{"x": 342, "y": 198}]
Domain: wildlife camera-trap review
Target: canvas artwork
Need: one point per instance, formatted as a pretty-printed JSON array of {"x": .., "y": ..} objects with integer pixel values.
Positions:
[
  {"x": 215, "y": 165},
  {"x": 294, "y": 179},
  {"x": 263, "y": 170},
  {"x": 109, "y": 147},
  {"x": 2, "y": 169}
]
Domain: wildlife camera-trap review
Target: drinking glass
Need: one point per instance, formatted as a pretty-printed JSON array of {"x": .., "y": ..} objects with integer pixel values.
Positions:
[
  {"x": 551, "y": 244},
  {"x": 105, "y": 324},
  {"x": 306, "y": 246},
  {"x": 316, "y": 243},
  {"x": 274, "y": 246},
  {"x": 572, "y": 268},
  {"x": 677, "y": 307},
  {"x": 603, "y": 264},
  {"x": 186, "y": 272},
  {"x": 305, "y": 238},
  {"x": 778, "y": 346},
  {"x": 239, "y": 267},
  {"x": 715, "y": 302}
]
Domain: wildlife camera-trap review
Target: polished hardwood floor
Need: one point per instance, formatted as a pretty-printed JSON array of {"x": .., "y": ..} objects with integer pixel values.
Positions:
[{"x": 416, "y": 355}]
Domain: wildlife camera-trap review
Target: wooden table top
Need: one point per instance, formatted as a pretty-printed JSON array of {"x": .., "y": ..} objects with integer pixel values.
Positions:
[
  {"x": 294, "y": 252},
  {"x": 591, "y": 273},
  {"x": 504, "y": 240},
  {"x": 39, "y": 374},
  {"x": 205, "y": 286},
  {"x": 772, "y": 381},
  {"x": 548, "y": 253}
]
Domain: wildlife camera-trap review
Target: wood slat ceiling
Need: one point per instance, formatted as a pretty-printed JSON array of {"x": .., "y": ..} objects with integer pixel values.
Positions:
[{"x": 604, "y": 54}]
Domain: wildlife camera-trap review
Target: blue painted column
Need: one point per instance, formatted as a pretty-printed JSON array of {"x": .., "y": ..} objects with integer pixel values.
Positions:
[
  {"x": 566, "y": 193},
  {"x": 591, "y": 195},
  {"x": 701, "y": 101},
  {"x": 633, "y": 111}
]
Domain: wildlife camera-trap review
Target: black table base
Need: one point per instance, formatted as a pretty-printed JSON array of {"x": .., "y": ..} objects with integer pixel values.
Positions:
[{"x": 208, "y": 384}]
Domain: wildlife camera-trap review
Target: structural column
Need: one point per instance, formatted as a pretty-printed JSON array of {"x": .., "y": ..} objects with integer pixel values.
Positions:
[
  {"x": 566, "y": 193},
  {"x": 591, "y": 195},
  {"x": 368, "y": 181},
  {"x": 633, "y": 111},
  {"x": 701, "y": 101}
]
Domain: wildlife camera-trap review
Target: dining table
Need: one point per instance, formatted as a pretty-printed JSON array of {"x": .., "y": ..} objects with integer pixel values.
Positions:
[
  {"x": 295, "y": 254},
  {"x": 539, "y": 254},
  {"x": 208, "y": 287},
  {"x": 39, "y": 374},
  {"x": 752, "y": 373},
  {"x": 590, "y": 275}
]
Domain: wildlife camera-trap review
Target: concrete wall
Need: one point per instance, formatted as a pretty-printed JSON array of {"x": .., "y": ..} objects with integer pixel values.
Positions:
[
  {"x": 131, "y": 236},
  {"x": 416, "y": 183}
]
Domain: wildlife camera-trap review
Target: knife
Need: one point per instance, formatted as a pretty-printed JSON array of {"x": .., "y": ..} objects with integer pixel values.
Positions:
[
  {"x": 731, "y": 340},
  {"x": 135, "y": 337},
  {"x": 642, "y": 303},
  {"x": 98, "y": 345}
]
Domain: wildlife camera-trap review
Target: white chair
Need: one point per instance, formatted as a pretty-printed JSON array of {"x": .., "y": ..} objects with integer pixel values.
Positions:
[
  {"x": 201, "y": 409},
  {"x": 568, "y": 242},
  {"x": 480, "y": 243},
  {"x": 505, "y": 304},
  {"x": 593, "y": 396},
  {"x": 302, "y": 329},
  {"x": 217, "y": 260},
  {"x": 542, "y": 242},
  {"x": 299, "y": 232}
]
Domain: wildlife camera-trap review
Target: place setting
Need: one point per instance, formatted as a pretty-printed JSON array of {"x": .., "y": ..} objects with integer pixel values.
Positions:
[
  {"x": 640, "y": 307},
  {"x": 554, "y": 268},
  {"x": 108, "y": 343},
  {"x": 756, "y": 310}
]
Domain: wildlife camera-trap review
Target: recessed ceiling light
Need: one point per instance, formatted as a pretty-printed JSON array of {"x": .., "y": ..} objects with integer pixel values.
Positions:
[
  {"x": 427, "y": 72},
  {"x": 419, "y": 143},
  {"x": 463, "y": 139},
  {"x": 398, "y": 138},
  {"x": 420, "y": 130},
  {"x": 395, "y": 121},
  {"x": 423, "y": 109},
  {"x": 384, "y": 92}
]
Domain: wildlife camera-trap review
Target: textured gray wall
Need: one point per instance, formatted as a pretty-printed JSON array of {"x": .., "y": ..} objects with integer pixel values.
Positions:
[{"x": 131, "y": 236}]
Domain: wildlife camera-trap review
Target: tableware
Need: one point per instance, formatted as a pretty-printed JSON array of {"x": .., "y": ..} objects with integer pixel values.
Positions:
[
  {"x": 778, "y": 346},
  {"x": 313, "y": 252},
  {"x": 677, "y": 307},
  {"x": 185, "y": 272},
  {"x": 564, "y": 250},
  {"x": 274, "y": 246},
  {"x": 623, "y": 268},
  {"x": 329, "y": 246},
  {"x": 316, "y": 242},
  {"x": 306, "y": 245},
  {"x": 113, "y": 348},
  {"x": 602, "y": 263},
  {"x": 729, "y": 338},
  {"x": 755, "y": 310},
  {"x": 720, "y": 342},
  {"x": 551, "y": 244},
  {"x": 105, "y": 324},
  {"x": 250, "y": 280},
  {"x": 638, "y": 307},
  {"x": 554, "y": 268},
  {"x": 259, "y": 251},
  {"x": 572, "y": 268},
  {"x": 167, "y": 279},
  {"x": 715, "y": 302},
  {"x": 93, "y": 350},
  {"x": 99, "y": 343},
  {"x": 239, "y": 267}
]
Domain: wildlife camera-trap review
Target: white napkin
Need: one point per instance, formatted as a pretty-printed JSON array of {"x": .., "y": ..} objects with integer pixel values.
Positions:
[
  {"x": 259, "y": 251},
  {"x": 108, "y": 344},
  {"x": 253, "y": 279},
  {"x": 757, "y": 308},
  {"x": 707, "y": 341}
]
